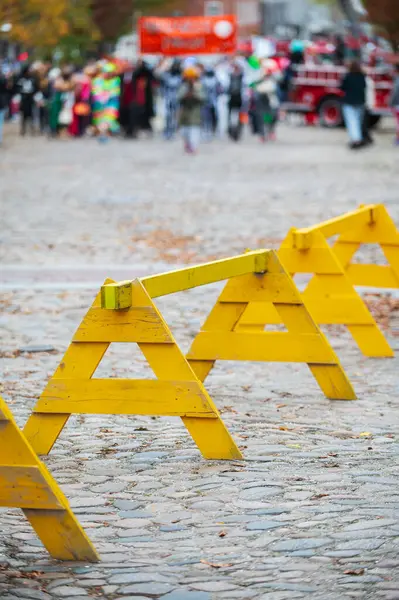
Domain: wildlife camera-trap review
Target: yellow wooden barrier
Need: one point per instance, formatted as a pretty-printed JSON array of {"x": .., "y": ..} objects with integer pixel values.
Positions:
[
  {"x": 133, "y": 318},
  {"x": 330, "y": 295},
  {"x": 254, "y": 276},
  {"x": 370, "y": 224},
  {"x": 221, "y": 337},
  {"x": 25, "y": 483}
]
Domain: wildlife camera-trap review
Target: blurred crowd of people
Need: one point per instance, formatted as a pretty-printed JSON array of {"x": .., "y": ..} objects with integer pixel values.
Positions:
[{"x": 109, "y": 98}]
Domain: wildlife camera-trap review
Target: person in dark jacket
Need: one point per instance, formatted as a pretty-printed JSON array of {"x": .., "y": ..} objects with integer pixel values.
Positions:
[
  {"x": 394, "y": 102},
  {"x": 27, "y": 87},
  {"x": 354, "y": 88},
  {"x": 3, "y": 103},
  {"x": 142, "y": 100}
]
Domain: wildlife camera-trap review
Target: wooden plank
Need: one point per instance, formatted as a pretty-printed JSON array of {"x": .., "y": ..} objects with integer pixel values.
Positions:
[
  {"x": 333, "y": 381},
  {"x": 314, "y": 260},
  {"x": 116, "y": 296},
  {"x": 80, "y": 361},
  {"x": 11, "y": 437},
  {"x": 331, "y": 378},
  {"x": 25, "y": 487},
  {"x": 262, "y": 346},
  {"x": 3, "y": 416},
  {"x": 125, "y": 397},
  {"x": 211, "y": 435},
  {"x": 338, "y": 310},
  {"x": 370, "y": 235},
  {"x": 62, "y": 535},
  {"x": 325, "y": 311},
  {"x": 372, "y": 275},
  {"x": 137, "y": 324},
  {"x": 219, "y": 270},
  {"x": 345, "y": 222},
  {"x": 272, "y": 287}
]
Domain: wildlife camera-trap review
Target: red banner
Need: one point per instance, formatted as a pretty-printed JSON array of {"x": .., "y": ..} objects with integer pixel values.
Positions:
[{"x": 188, "y": 35}]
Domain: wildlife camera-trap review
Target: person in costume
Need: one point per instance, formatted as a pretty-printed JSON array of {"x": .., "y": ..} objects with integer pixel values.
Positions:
[
  {"x": 106, "y": 91},
  {"x": 192, "y": 98}
]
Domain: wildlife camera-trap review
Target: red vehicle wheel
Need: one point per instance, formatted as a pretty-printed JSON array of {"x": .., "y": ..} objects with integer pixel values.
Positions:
[{"x": 330, "y": 113}]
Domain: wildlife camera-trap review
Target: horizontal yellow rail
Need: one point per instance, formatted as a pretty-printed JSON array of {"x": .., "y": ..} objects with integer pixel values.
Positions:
[
  {"x": 218, "y": 270},
  {"x": 364, "y": 215},
  {"x": 118, "y": 296},
  {"x": 125, "y": 397}
]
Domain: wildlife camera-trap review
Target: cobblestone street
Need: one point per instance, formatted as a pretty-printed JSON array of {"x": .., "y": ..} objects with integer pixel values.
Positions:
[{"x": 313, "y": 509}]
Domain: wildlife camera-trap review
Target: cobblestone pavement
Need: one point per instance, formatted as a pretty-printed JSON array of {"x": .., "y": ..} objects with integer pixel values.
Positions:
[{"x": 312, "y": 510}]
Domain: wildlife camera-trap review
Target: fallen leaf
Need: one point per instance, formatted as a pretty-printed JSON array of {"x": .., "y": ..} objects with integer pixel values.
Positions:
[
  {"x": 318, "y": 496},
  {"x": 365, "y": 434},
  {"x": 215, "y": 565},
  {"x": 354, "y": 572},
  {"x": 222, "y": 534}
]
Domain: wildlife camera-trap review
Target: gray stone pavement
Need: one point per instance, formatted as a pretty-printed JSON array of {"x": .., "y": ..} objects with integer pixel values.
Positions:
[{"x": 312, "y": 510}]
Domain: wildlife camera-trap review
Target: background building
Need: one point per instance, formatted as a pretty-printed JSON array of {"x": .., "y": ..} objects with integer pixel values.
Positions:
[
  {"x": 248, "y": 11},
  {"x": 303, "y": 14}
]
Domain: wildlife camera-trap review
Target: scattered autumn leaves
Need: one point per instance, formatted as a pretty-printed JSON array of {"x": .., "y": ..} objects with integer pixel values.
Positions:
[
  {"x": 172, "y": 248},
  {"x": 384, "y": 309}
]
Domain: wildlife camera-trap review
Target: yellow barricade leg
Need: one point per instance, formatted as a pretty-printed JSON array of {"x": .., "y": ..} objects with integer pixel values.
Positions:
[
  {"x": 26, "y": 483},
  {"x": 222, "y": 337},
  {"x": 332, "y": 299},
  {"x": 176, "y": 392}
]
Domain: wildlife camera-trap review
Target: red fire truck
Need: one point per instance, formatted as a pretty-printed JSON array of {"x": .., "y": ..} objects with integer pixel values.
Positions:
[{"x": 315, "y": 92}]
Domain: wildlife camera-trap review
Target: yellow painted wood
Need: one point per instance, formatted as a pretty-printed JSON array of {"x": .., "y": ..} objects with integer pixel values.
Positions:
[
  {"x": 116, "y": 296},
  {"x": 125, "y": 397},
  {"x": 26, "y": 483},
  {"x": 22, "y": 454},
  {"x": 260, "y": 288},
  {"x": 265, "y": 346},
  {"x": 344, "y": 251},
  {"x": 219, "y": 270},
  {"x": 334, "y": 382},
  {"x": 223, "y": 317},
  {"x": 136, "y": 324},
  {"x": 378, "y": 276},
  {"x": 382, "y": 231},
  {"x": 327, "y": 312},
  {"x": 331, "y": 378},
  {"x": 178, "y": 393},
  {"x": 315, "y": 260},
  {"x": 392, "y": 256},
  {"x": 227, "y": 335},
  {"x": 331, "y": 299},
  {"x": 62, "y": 535},
  {"x": 80, "y": 361},
  {"x": 24, "y": 487},
  {"x": 211, "y": 435},
  {"x": 345, "y": 222},
  {"x": 371, "y": 341}
]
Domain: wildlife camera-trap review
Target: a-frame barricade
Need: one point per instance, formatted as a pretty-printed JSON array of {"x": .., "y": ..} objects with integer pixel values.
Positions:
[
  {"x": 26, "y": 483},
  {"x": 176, "y": 391},
  {"x": 329, "y": 295},
  {"x": 222, "y": 338},
  {"x": 369, "y": 224}
]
